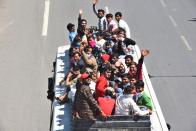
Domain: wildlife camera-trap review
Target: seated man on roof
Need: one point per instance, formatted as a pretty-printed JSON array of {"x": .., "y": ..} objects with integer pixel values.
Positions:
[
  {"x": 100, "y": 41},
  {"x": 93, "y": 82},
  {"x": 90, "y": 39},
  {"x": 77, "y": 41},
  {"x": 141, "y": 98},
  {"x": 104, "y": 63},
  {"x": 123, "y": 45},
  {"x": 107, "y": 103},
  {"x": 76, "y": 60},
  {"x": 102, "y": 82},
  {"x": 89, "y": 59},
  {"x": 125, "y": 104},
  {"x": 120, "y": 70},
  {"x": 114, "y": 61},
  {"x": 125, "y": 81},
  {"x": 72, "y": 50},
  {"x": 128, "y": 60},
  {"x": 135, "y": 70},
  {"x": 133, "y": 81},
  {"x": 108, "y": 47},
  {"x": 70, "y": 82}
]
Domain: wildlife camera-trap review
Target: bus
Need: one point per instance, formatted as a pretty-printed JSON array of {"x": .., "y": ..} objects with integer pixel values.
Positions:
[{"x": 61, "y": 114}]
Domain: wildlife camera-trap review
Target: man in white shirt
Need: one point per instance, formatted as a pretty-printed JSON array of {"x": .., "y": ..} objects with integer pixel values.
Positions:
[
  {"x": 126, "y": 45},
  {"x": 100, "y": 41},
  {"x": 122, "y": 24},
  {"x": 125, "y": 104}
]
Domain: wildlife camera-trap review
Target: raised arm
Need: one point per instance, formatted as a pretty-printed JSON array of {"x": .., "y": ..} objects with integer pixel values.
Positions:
[
  {"x": 94, "y": 10},
  {"x": 140, "y": 63},
  {"x": 80, "y": 18},
  {"x": 86, "y": 59}
]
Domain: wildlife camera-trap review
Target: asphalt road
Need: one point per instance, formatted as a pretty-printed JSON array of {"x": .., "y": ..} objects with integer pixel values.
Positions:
[
  {"x": 23, "y": 66},
  {"x": 165, "y": 27}
]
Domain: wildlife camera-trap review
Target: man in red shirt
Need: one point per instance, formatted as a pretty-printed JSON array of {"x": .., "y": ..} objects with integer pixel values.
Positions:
[
  {"x": 107, "y": 103},
  {"x": 102, "y": 83}
]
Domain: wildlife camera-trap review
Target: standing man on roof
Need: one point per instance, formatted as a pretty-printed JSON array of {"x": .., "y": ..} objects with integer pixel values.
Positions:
[
  {"x": 122, "y": 24},
  {"x": 82, "y": 24},
  {"x": 102, "y": 82},
  {"x": 102, "y": 24},
  {"x": 85, "y": 106},
  {"x": 125, "y": 104}
]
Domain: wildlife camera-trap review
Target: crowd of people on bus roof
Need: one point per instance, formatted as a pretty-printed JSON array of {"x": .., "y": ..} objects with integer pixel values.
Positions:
[{"x": 104, "y": 79}]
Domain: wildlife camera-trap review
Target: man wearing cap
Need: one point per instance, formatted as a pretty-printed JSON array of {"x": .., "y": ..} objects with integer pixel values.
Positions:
[
  {"x": 85, "y": 106},
  {"x": 105, "y": 63},
  {"x": 125, "y": 104}
]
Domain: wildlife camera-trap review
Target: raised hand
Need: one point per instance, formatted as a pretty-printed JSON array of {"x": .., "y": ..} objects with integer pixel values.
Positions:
[
  {"x": 95, "y": 2},
  {"x": 80, "y": 11},
  {"x": 145, "y": 52}
]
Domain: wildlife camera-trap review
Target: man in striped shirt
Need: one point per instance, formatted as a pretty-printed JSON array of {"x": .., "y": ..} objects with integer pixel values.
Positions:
[{"x": 102, "y": 23}]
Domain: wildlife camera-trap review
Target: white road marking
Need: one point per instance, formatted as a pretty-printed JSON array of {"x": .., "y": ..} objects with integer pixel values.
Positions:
[
  {"x": 186, "y": 42},
  {"x": 173, "y": 21},
  {"x": 106, "y": 10},
  {"x": 163, "y": 3},
  {"x": 46, "y": 18}
]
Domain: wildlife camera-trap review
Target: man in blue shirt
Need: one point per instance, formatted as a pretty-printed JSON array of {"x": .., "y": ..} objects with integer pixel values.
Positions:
[{"x": 72, "y": 33}]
